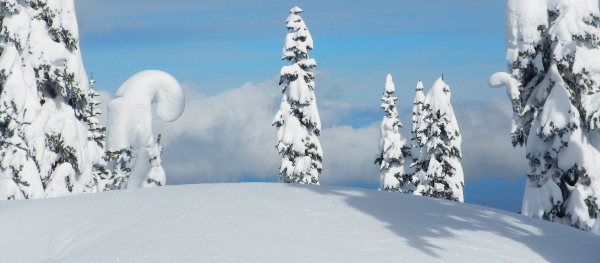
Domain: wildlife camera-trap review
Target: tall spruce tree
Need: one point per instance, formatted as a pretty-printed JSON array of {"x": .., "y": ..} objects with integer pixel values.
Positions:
[
  {"x": 297, "y": 121},
  {"x": 393, "y": 153},
  {"x": 554, "y": 84},
  {"x": 44, "y": 97},
  {"x": 438, "y": 172}
]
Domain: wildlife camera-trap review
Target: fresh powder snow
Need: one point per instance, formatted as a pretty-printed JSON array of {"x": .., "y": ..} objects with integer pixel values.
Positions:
[{"x": 256, "y": 222}]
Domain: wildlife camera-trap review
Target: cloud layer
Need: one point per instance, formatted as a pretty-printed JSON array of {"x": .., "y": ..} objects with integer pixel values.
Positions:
[{"x": 229, "y": 138}]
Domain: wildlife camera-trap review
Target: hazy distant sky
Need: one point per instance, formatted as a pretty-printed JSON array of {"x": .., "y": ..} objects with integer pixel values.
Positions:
[{"x": 231, "y": 50}]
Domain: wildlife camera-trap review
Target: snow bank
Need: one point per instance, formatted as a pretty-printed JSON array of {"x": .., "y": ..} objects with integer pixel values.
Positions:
[{"x": 251, "y": 222}]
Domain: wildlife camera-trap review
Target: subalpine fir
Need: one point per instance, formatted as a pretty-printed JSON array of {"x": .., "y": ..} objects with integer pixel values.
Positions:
[{"x": 297, "y": 121}]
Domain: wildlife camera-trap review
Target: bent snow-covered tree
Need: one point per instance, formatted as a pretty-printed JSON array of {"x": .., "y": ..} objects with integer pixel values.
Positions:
[
  {"x": 554, "y": 86},
  {"x": 44, "y": 87},
  {"x": 297, "y": 121},
  {"x": 130, "y": 145},
  {"x": 393, "y": 154},
  {"x": 438, "y": 172}
]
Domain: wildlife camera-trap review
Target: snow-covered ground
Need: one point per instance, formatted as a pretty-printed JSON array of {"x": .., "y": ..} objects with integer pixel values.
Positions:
[{"x": 265, "y": 222}]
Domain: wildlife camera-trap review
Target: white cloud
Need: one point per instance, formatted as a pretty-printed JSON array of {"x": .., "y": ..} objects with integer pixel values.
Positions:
[
  {"x": 229, "y": 137},
  {"x": 487, "y": 148}
]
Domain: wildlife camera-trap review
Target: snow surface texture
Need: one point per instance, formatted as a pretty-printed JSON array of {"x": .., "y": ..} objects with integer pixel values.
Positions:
[
  {"x": 392, "y": 147},
  {"x": 297, "y": 121},
  {"x": 438, "y": 171},
  {"x": 554, "y": 86},
  {"x": 129, "y": 128},
  {"x": 251, "y": 222},
  {"x": 43, "y": 103}
]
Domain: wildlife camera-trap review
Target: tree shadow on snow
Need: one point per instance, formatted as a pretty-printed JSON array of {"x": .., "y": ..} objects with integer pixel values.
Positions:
[{"x": 405, "y": 215}]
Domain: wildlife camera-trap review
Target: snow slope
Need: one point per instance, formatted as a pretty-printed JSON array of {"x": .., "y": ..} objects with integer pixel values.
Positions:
[{"x": 263, "y": 222}]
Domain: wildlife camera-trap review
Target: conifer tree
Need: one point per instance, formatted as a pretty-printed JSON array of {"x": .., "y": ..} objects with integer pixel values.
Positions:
[
  {"x": 393, "y": 152},
  {"x": 44, "y": 97},
  {"x": 297, "y": 121},
  {"x": 19, "y": 176},
  {"x": 416, "y": 145},
  {"x": 97, "y": 139},
  {"x": 417, "y": 114},
  {"x": 156, "y": 175},
  {"x": 554, "y": 84},
  {"x": 438, "y": 172}
]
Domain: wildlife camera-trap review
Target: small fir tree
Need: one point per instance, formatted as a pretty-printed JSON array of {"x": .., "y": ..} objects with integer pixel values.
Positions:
[
  {"x": 393, "y": 152},
  {"x": 156, "y": 175},
  {"x": 438, "y": 172},
  {"x": 297, "y": 121},
  {"x": 97, "y": 139}
]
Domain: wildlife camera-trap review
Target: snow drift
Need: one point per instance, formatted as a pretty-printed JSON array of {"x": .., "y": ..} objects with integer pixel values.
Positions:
[{"x": 258, "y": 222}]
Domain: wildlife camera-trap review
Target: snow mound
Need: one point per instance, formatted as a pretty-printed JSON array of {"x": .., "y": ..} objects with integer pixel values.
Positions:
[{"x": 257, "y": 222}]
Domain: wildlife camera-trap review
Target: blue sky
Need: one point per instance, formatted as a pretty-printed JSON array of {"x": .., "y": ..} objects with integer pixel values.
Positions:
[{"x": 221, "y": 50}]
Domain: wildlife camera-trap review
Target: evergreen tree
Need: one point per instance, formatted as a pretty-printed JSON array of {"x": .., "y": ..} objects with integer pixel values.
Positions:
[
  {"x": 416, "y": 145},
  {"x": 393, "y": 151},
  {"x": 554, "y": 84},
  {"x": 297, "y": 121},
  {"x": 438, "y": 172},
  {"x": 156, "y": 175},
  {"x": 97, "y": 139},
  {"x": 19, "y": 176},
  {"x": 44, "y": 97},
  {"x": 417, "y": 114}
]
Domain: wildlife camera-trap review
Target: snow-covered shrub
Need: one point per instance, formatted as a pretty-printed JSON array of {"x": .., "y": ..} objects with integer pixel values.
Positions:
[
  {"x": 554, "y": 86},
  {"x": 393, "y": 152},
  {"x": 44, "y": 95},
  {"x": 438, "y": 172},
  {"x": 130, "y": 145},
  {"x": 297, "y": 121}
]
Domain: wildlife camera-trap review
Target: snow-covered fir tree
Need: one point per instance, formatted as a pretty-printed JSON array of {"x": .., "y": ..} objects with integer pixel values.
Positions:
[
  {"x": 156, "y": 175},
  {"x": 133, "y": 154},
  {"x": 393, "y": 153},
  {"x": 415, "y": 141},
  {"x": 97, "y": 139},
  {"x": 438, "y": 172},
  {"x": 553, "y": 84},
  {"x": 417, "y": 109},
  {"x": 297, "y": 121},
  {"x": 43, "y": 102}
]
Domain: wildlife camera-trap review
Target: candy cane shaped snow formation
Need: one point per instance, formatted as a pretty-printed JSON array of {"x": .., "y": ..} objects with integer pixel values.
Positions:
[{"x": 130, "y": 112}]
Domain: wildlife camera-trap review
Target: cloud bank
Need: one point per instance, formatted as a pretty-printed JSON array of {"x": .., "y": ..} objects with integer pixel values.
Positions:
[{"x": 229, "y": 138}]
